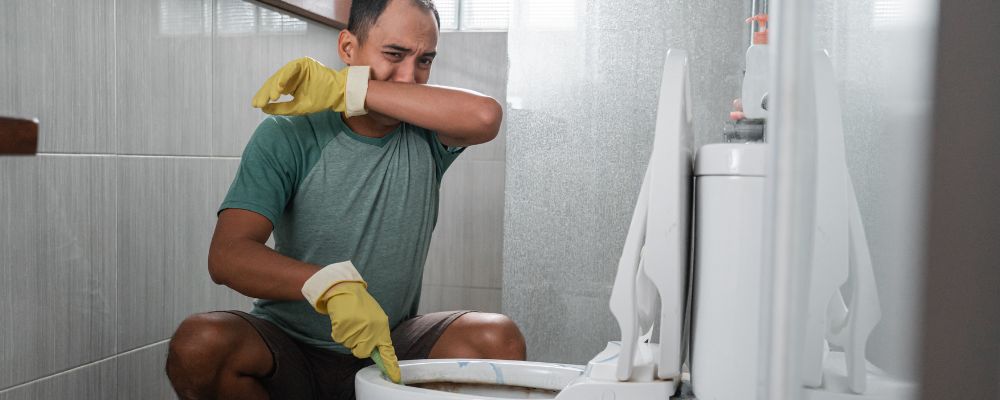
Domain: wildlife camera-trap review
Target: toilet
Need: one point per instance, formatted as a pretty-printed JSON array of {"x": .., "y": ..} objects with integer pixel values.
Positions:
[
  {"x": 717, "y": 307},
  {"x": 649, "y": 278}
]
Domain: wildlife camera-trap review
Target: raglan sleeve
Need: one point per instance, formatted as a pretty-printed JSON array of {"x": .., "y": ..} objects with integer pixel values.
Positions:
[{"x": 267, "y": 176}]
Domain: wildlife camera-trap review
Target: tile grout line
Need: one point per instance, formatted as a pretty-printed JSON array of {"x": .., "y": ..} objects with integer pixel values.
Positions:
[
  {"x": 462, "y": 287},
  {"x": 59, "y": 154},
  {"x": 82, "y": 366},
  {"x": 117, "y": 174}
]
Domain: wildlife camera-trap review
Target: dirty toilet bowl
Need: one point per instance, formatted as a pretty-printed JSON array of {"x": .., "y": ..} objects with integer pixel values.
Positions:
[{"x": 454, "y": 379}]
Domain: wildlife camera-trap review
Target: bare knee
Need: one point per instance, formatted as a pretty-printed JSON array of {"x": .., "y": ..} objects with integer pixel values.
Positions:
[
  {"x": 497, "y": 337},
  {"x": 198, "y": 351}
]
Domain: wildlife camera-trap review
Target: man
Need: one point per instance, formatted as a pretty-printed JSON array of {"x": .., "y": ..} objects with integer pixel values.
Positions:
[{"x": 351, "y": 198}]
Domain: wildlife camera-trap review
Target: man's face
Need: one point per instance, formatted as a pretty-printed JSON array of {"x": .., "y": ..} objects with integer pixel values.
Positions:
[{"x": 400, "y": 46}]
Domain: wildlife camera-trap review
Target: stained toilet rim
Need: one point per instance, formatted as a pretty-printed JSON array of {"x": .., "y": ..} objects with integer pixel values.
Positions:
[{"x": 529, "y": 374}]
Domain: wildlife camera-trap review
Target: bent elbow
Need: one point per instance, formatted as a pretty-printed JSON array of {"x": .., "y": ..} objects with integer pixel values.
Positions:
[{"x": 490, "y": 117}]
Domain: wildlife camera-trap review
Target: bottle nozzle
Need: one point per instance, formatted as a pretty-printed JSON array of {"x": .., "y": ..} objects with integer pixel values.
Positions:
[{"x": 759, "y": 36}]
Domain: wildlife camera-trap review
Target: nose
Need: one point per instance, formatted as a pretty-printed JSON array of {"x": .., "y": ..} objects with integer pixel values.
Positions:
[{"x": 405, "y": 72}]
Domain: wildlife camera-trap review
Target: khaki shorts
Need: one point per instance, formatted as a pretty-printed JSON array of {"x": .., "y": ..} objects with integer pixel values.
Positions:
[{"x": 305, "y": 372}]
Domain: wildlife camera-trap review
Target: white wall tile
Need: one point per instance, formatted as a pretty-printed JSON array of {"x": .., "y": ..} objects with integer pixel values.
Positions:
[
  {"x": 475, "y": 61},
  {"x": 140, "y": 374},
  {"x": 244, "y": 58},
  {"x": 164, "y": 76},
  {"x": 58, "y": 66},
  {"x": 95, "y": 381},
  {"x": 137, "y": 374},
  {"x": 8, "y": 65},
  {"x": 167, "y": 211},
  {"x": 447, "y": 298},
  {"x": 467, "y": 246},
  {"x": 57, "y": 264}
]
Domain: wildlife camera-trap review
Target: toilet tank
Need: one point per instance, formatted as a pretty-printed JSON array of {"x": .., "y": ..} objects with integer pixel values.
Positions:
[{"x": 729, "y": 209}]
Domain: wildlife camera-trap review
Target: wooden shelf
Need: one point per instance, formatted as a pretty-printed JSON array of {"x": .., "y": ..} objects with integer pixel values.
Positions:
[
  {"x": 18, "y": 136},
  {"x": 333, "y": 13}
]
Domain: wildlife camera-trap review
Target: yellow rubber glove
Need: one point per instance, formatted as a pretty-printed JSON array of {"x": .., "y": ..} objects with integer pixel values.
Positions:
[
  {"x": 358, "y": 323},
  {"x": 356, "y": 319},
  {"x": 314, "y": 88}
]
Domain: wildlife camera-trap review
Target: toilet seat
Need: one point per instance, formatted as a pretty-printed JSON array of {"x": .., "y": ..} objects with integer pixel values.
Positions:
[{"x": 468, "y": 379}]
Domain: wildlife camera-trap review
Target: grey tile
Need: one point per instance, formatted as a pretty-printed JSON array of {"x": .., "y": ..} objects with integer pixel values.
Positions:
[
  {"x": 95, "y": 381},
  {"x": 245, "y": 55},
  {"x": 167, "y": 215},
  {"x": 140, "y": 374},
  {"x": 57, "y": 264},
  {"x": 164, "y": 76},
  {"x": 475, "y": 61},
  {"x": 58, "y": 66},
  {"x": 8, "y": 65},
  {"x": 446, "y": 298},
  {"x": 467, "y": 246},
  {"x": 472, "y": 60},
  {"x": 430, "y": 299}
]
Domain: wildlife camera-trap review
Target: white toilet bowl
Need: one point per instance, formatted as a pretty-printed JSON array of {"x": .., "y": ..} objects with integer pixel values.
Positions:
[{"x": 468, "y": 379}]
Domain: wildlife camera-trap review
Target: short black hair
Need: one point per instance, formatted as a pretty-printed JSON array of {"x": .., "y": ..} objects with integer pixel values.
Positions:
[{"x": 364, "y": 13}]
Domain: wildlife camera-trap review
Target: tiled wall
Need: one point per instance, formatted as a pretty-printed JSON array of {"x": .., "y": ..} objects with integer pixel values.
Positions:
[
  {"x": 465, "y": 262},
  {"x": 144, "y": 110}
]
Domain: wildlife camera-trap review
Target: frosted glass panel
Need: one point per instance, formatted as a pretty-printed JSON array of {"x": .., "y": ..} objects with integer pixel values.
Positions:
[
  {"x": 882, "y": 52},
  {"x": 551, "y": 14}
]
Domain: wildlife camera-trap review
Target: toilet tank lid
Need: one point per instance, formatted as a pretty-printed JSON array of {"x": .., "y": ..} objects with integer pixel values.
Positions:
[{"x": 731, "y": 159}]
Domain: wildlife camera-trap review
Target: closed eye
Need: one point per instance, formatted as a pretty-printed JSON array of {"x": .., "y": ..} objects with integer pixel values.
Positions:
[{"x": 395, "y": 55}]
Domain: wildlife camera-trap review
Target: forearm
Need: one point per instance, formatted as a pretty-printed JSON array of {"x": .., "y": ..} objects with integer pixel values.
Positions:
[
  {"x": 460, "y": 116},
  {"x": 255, "y": 270}
]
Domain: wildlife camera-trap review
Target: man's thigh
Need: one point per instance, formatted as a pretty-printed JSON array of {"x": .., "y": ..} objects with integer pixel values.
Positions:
[
  {"x": 210, "y": 351},
  {"x": 414, "y": 338},
  {"x": 301, "y": 371},
  {"x": 481, "y": 335}
]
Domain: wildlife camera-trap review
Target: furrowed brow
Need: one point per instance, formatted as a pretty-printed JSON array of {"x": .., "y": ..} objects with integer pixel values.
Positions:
[{"x": 397, "y": 47}]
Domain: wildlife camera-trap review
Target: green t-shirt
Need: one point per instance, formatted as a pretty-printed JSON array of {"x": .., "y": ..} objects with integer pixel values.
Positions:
[{"x": 334, "y": 195}]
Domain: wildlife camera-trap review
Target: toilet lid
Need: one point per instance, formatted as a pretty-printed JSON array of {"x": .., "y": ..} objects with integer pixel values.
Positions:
[{"x": 654, "y": 263}]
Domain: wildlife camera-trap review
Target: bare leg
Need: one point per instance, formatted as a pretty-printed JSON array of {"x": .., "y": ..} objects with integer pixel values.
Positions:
[
  {"x": 218, "y": 356},
  {"x": 481, "y": 335}
]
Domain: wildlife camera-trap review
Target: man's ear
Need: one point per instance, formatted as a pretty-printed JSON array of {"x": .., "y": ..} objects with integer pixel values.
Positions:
[{"x": 347, "y": 46}]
